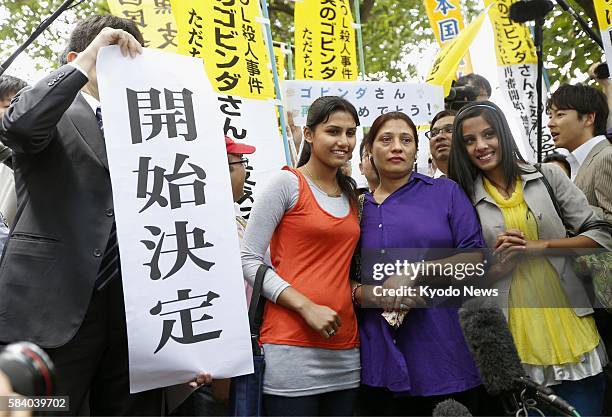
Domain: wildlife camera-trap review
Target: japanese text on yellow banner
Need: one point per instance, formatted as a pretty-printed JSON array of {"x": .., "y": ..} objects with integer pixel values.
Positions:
[
  {"x": 324, "y": 41},
  {"x": 446, "y": 21},
  {"x": 513, "y": 42},
  {"x": 228, "y": 36},
  {"x": 153, "y": 18}
]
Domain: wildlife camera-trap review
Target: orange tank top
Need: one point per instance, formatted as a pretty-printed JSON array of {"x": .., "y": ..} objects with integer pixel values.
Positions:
[{"x": 312, "y": 250}]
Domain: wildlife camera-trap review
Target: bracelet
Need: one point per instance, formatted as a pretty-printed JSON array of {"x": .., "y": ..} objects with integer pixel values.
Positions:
[{"x": 354, "y": 292}]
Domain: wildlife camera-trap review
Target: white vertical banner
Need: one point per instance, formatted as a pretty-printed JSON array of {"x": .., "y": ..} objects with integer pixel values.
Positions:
[
  {"x": 253, "y": 122},
  {"x": 182, "y": 278},
  {"x": 518, "y": 86}
]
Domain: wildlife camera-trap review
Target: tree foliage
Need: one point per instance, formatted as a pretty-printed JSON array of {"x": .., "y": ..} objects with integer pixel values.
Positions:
[{"x": 391, "y": 29}]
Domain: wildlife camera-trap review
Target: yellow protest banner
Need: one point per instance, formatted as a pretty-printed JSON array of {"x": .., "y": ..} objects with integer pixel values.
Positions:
[
  {"x": 603, "y": 9},
  {"x": 324, "y": 41},
  {"x": 447, "y": 61},
  {"x": 447, "y": 21},
  {"x": 513, "y": 41},
  {"x": 229, "y": 37},
  {"x": 153, "y": 18}
]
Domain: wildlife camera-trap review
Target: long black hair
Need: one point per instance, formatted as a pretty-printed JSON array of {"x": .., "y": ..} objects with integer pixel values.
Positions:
[
  {"x": 319, "y": 112},
  {"x": 460, "y": 167}
]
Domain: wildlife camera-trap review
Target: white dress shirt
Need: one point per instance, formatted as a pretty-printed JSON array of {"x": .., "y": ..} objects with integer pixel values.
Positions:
[{"x": 439, "y": 174}]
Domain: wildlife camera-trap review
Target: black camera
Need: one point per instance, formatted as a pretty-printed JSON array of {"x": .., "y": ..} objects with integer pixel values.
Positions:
[
  {"x": 460, "y": 96},
  {"x": 28, "y": 368}
]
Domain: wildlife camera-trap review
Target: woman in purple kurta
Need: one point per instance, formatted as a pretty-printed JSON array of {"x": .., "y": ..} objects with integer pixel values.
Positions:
[{"x": 407, "y": 370}]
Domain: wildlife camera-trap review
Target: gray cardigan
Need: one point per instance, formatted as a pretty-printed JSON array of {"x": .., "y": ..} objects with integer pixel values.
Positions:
[{"x": 575, "y": 209}]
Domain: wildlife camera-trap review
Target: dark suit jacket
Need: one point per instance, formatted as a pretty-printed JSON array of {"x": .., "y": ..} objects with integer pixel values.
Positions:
[{"x": 64, "y": 211}]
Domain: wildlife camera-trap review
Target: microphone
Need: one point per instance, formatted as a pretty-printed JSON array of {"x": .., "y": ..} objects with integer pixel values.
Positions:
[
  {"x": 451, "y": 408},
  {"x": 526, "y": 10},
  {"x": 490, "y": 341}
]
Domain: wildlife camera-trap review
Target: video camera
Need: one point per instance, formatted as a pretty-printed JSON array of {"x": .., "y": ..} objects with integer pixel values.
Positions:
[
  {"x": 28, "y": 368},
  {"x": 460, "y": 96}
]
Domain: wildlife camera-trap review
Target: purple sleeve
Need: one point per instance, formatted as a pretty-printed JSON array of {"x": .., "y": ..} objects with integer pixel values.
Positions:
[{"x": 464, "y": 221}]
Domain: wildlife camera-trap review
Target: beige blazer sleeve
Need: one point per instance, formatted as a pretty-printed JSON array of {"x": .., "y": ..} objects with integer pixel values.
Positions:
[{"x": 574, "y": 206}]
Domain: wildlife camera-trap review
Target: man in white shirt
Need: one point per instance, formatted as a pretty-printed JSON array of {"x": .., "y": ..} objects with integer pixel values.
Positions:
[
  {"x": 577, "y": 123},
  {"x": 440, "y": 137},
  {"x": 578, "y": 116}
]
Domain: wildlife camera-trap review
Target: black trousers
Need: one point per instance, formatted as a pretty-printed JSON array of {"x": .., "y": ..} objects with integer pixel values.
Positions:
[
  {"x": 335, "y": 403},
  {"x": 94, "y": 364},
  {"x": 382, "y": 402}
]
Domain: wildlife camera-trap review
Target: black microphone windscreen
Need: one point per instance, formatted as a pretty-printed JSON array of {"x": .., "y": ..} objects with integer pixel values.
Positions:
[
  {"x": 492, "y": 346},
  {"x": 526, "y": 10},
  {"x": 451, "y": 408}
]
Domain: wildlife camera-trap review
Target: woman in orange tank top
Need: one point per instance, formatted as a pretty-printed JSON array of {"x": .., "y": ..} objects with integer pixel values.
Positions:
[{"x": 308, "y": 216}]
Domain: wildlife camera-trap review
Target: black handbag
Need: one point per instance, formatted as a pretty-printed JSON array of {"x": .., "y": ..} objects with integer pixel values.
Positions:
[{"x": 246, "y": 390}]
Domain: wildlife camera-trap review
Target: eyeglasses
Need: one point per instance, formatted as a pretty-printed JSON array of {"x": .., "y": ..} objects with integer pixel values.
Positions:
[
  {"x": 243, "y": 161},
  {"x": 438, "y": 130}
]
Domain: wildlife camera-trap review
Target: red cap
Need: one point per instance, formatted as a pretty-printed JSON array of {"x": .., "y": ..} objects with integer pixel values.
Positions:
[{"x": 237, "y": 148}]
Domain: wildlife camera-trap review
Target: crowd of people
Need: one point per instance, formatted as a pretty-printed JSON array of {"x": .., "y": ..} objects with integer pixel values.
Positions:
[{"x": 331, "y": 347}]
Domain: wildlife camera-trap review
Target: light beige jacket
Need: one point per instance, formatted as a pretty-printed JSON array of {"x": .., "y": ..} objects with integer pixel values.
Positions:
[
  {"x": 576, "y": 211},
  {"x": 594, "y": 178}
]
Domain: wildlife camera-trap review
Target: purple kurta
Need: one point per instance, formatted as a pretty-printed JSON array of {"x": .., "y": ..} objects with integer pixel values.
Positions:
[{"x": 427, "y": 355}]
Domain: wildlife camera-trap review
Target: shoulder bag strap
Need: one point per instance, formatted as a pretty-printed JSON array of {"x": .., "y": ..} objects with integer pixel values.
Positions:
[
  {"x": 593, "y": 224},
  {"x": 551, "y": 193},
  {"x": 258, "y": 302}
]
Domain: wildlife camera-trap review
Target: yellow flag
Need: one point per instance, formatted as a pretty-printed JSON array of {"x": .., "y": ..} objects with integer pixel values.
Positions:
[
  {"x": 153, "y": 18},
  {"x": 447, "y": 22},
  {"x": 229, "y": 37},
  {"x": 513, "y": 41},
  {"x": 324, "y": 41},
  {"x": 445, "y": 65},
  {"x": 603, "y": 8}
]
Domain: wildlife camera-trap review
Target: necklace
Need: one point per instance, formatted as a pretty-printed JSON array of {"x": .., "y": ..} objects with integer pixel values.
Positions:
[
  {"x": 337, "y": 190},
  {"x": 503, "y": 191}
]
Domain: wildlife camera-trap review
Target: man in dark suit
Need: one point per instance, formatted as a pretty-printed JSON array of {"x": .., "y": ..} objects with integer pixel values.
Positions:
[{"x": 60, "y": 283}]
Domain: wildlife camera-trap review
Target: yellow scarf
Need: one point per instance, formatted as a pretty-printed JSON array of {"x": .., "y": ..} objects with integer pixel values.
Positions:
[{"x": 550, "y": 335}]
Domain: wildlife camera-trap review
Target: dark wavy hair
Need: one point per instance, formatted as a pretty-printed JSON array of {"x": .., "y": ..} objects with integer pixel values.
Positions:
[
  {"x": 460, "y": 167},
  {"x": 88, "y": 28},
  {"x": 9, "y": 86},
  {"x": 584, "y": 99},
  {"x": 319, "y": 112}
]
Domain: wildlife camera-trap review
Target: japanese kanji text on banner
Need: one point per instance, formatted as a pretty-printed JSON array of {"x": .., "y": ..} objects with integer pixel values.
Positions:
[
  {"x": 254, "y": 122},
  {"x": 324, "y": 41},
  {"x": 446, "y": 21},
  {"x": 154, "y": 19},
  {"x": 517, "y": 71},
  {"x": 228, "y": 36},
  {"x": 182, "y": 278},
  {"x": 371, "y": 98}
]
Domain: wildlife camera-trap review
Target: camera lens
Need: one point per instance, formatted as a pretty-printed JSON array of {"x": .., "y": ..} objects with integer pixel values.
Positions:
[{"x": 28, "y": 368}]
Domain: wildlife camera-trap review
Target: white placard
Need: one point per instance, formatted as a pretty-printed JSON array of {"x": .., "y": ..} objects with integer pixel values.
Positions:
[
  {"x": 254, "y": 122},
  {"x": 518, "y": 85},
  {"x": 182, "y": 278},
  {"x": 371, "y": 98}
]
